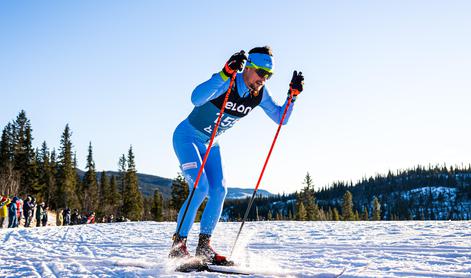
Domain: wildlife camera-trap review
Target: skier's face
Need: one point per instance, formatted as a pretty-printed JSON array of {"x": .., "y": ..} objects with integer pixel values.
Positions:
[{"x": 253, "y": 80}]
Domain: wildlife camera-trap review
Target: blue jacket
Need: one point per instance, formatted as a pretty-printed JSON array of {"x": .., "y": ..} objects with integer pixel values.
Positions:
[{"x": 208, "y": 98}]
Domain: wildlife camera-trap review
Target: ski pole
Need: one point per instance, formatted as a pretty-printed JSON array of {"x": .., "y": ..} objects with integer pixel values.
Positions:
[
  {"x": 213, "y": 134},
  {"x": 290, "y": 98}
]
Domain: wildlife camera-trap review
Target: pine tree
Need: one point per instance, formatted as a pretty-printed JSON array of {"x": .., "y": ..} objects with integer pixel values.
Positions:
[
  {"x": 24, "y": 156},
  {"x": 45, "y": 176},
  {"x": 132, "y": 202},
  {"x": 122, "y": 174},
  {"x": 179, "y": 193},
  {"x": 52, "y": 182},
  {"x": 90, "y": 184},
  {"x": 365, "y": 215},
  {"x": 301, "y": 214},
  {"x": 157, "y": 206},
  {"x": 335, "y": 215},
  {"x": 9, "y": 177},
  {"x": 347, "y": 207},
  {"x": 115, "y": 196},
  {"x": 376, "y": 216},
  {"x": 106, "y": 200},
  {"x": 66, "y": 181}
]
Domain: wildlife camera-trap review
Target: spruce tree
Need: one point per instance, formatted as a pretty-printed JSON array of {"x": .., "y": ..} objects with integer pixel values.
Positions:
[
  {"x": 52, "y": 200},
  {"x": 376, "y": 216},
  {"x": 157, "y": 206},
  {"x": 106, "y": 199},
  {"x": 365, "y": 216},
  {"x": 24, "y": 156},
  {"x": 67, "y": 182},
  {"x": 132, "y": 202},
  {"x": 347, "y": 207},
  {"x": 335, "y": 215},
  {"x": 301, "y": 214},
  {"x": 115, "y": 196},
  {"x": 45, "y": 178},
  {"x": 9, "y": 177},
  {"x": 90, "y": 184}
]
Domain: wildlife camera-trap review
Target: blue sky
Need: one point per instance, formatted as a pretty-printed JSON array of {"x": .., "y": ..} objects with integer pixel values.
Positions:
[{"x": 387, "y": 83}]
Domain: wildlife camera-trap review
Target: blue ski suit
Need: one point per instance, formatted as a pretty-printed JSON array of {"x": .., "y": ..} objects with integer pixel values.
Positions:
[{"x": 192, "y": 135}]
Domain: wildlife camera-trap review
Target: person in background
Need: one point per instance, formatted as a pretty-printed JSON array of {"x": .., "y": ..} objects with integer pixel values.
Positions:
[
  {"x": 28, "y": 209},
  {"x": 4, "y": 201},
  {"x": 59, "y": 217},
  {"x": 91, "y": 218},
  {"x": 39, "y": 214},
  {"x": 75, "y": 218},
  {"x": 12, "y": 213},
  {"x": 66, "y": 215},
  {"x": 44, "y": 215}
]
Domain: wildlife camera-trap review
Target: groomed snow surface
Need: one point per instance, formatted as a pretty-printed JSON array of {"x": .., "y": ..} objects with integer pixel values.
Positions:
[{"x": 271, "y": 249}]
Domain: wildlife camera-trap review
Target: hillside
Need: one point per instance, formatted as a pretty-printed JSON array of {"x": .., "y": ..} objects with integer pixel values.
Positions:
[{"x": 149, "y": 183}]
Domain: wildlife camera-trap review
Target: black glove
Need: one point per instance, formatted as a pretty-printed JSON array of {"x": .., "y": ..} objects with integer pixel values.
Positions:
[
  {"x": 297, "y": 83},
  {"x": 235, "y": 63}
]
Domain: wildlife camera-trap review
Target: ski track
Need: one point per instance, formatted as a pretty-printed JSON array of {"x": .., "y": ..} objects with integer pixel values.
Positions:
[{"x": 281, "y": 249}]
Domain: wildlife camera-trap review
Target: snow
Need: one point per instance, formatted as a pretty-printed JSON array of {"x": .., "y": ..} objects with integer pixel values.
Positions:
[{"x": 296, "y": 249}]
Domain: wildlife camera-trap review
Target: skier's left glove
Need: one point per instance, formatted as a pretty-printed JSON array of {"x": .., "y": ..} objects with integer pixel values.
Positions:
[{"x": 296, "y": 85}]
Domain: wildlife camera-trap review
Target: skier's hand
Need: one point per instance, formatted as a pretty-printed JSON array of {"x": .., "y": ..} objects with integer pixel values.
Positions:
[
  {"x": 297, "y": 83},
  {"x": 235, "y": 63}
]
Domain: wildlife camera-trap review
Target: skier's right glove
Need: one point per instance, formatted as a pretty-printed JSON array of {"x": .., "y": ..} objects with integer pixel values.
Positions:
[{"x": 235, "y": 63}]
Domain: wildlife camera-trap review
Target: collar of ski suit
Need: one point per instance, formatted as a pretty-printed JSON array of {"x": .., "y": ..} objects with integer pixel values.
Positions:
[{"x": 242, "y": 89}]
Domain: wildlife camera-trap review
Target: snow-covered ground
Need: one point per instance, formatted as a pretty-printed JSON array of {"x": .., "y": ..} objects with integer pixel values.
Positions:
[{"x": 298, "y": 249}]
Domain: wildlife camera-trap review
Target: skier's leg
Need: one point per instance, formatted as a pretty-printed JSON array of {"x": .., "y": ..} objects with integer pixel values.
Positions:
[
  {"x": 190, "y": 159},
  {"x": 217, "y": 191}
]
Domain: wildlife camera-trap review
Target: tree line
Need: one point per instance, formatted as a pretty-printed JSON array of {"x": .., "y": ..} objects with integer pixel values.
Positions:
[{"x": 52, "y": 177}]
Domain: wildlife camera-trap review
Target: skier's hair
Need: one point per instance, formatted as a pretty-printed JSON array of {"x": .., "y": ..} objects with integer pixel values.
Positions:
[{"x": 262, "y": 50}]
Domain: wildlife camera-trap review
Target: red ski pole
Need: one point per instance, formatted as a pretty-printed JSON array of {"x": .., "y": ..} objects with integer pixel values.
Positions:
[
  {"x": 213, "y": 134},
  {"x": 290, "y": 98}
]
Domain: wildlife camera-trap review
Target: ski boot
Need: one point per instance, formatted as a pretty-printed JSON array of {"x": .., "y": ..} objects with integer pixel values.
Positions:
[
  {"x": 207, "y": 253},
  {"x": 179, "y": 249}
]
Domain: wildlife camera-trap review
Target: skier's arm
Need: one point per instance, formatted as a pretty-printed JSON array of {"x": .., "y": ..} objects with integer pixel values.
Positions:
[
  {"x": 218, "y": 84},
  {"x": 273, "y": 110},
  {"x": 210, "y": 89}
]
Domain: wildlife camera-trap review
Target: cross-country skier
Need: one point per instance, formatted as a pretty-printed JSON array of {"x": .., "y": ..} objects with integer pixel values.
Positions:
[{"x": 191, "y": 137}]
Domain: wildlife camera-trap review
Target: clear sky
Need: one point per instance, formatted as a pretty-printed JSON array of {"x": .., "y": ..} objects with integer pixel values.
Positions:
[{"x": 387, "y": 83}]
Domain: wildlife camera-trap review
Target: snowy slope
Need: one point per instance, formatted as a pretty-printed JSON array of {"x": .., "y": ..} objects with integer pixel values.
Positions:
[{"x": 297, "y": 249}]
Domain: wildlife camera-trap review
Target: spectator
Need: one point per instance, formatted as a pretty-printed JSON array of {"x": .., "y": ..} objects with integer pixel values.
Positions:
[
  {"x": 110, "y": 219},
  {"x": 12, "y": 213},
  {"x": 59, "y": 217},
  {"x": 66, "y": 214},
  {"x": 19, "y": 210},
  {"x": 91, "y": 218},
  {"x": 4, "y": 201},
  {"x": 28, "y": 209},
  {"x": 75, "y": 218},
  {"x": 39, "y": 214},
  {"x": 44, "y": 216}
]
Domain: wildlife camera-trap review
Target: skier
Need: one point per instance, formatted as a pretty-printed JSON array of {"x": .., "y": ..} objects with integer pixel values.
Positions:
[{"x": 192, "y": 135}]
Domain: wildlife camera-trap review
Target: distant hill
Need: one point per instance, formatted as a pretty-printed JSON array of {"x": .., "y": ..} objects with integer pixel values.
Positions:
[{"x": 149, "y": 183}]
